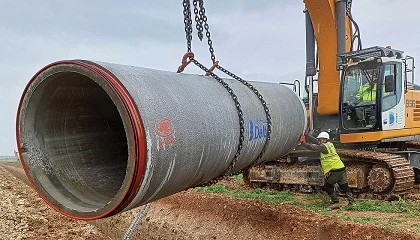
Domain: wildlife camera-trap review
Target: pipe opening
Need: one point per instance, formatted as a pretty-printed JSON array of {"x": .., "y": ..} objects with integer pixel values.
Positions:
[{"x": 78, "y": 150}]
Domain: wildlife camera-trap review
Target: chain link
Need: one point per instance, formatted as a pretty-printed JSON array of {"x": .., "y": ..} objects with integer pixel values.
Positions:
[
  {"x": 187, "y": 23},
  {"x": 250, "y": 86},
  {"x": 348, "y": 6},
  {"x": 207, "y": 28},
  {"x": 198, "y": 19},
  {"x": 263, "y": 103},
  {"x": 201, "y": 19},
  {"x": 238, "y": 108}
]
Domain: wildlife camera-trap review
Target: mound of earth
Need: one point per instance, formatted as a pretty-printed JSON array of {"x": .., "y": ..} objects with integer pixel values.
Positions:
[{"x": 186, "y": 215}]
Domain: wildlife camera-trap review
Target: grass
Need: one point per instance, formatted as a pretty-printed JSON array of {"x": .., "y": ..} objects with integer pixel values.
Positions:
[
  {"x": 216, "y": 188},
  {"x": 370, "y": 220},
  {"x": 409, "y": 209},
  {"x": 237, "y": 176},
  {"x": 317, "y": 202},
  {"x": 416, "y": 227},
  {"x": 270, "y": 196},
  {"x": 264, "y": 195},
  {"x": 320, "y": 202},
  {"x": 393, "y": 223},
  {"x": 316, "y": 207}
]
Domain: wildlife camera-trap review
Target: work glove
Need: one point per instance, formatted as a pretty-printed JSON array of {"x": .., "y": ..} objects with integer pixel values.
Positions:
[{"x": 302, "y": 138}]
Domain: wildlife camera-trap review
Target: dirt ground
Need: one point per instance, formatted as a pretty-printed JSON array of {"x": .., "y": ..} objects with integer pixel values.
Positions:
[
  {"x": 23, "y": 215},
  {"x": 186, "y": 215}
]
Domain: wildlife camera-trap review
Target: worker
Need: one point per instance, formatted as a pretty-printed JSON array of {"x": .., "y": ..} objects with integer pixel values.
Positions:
[
  {"x": 367, "y": 92},
  {"x": 331, "y": 164},
  {"x": 367, "y": 96}
]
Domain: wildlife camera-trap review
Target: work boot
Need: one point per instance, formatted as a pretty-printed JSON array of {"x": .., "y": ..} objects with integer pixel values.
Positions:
[
  {"x": 334, "y": 198},
  {"x": 335, "y": 206},
  {"x": 334, "y": 201},
  {"x": 350, "y": 198}
]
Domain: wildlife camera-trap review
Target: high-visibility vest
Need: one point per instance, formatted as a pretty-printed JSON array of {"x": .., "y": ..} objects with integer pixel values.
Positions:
[
  {"x": 331, "y": 160},
  {"x": 366, "y": 93}
]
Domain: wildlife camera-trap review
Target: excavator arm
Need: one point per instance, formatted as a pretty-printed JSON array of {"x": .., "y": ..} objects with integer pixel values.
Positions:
[{"x": 327, "y": 30}]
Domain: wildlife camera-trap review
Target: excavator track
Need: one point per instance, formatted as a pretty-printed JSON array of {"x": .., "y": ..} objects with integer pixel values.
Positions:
[
  {"x": 406, "y": 145},
  {"x": 391, "y": 174},
  {"x": 386, "y": 175}
]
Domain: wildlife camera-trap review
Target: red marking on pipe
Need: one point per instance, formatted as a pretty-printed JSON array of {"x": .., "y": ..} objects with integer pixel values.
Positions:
[
  {"x": 164, "y": 127},
  {"x": 137, "y": 137},
  {"x": 169, "y": 142}
]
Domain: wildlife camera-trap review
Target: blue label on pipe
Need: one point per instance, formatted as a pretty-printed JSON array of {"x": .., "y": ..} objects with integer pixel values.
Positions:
[{"x": 257, "y": 129}]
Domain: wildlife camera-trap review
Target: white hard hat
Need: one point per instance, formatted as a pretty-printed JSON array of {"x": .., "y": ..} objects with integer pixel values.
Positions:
[{"x": 323, "y": 135}]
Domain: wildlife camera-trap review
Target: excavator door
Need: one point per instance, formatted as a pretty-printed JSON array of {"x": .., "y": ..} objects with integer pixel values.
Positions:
[{"x": 392, "y": 102}]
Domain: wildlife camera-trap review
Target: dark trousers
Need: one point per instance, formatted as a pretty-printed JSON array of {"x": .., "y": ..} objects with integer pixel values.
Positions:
[{"x": 339, "y": 177}]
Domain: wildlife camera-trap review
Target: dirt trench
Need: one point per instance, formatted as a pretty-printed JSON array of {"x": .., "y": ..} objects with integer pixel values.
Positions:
[{"x": 186, "y": 215}]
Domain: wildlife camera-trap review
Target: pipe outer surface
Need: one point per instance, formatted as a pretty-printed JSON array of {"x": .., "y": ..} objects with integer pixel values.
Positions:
[{"x": 96, "y": 138}]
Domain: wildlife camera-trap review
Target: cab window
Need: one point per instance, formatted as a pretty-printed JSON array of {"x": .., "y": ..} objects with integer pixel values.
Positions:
[{"x": 391, "y": 86}]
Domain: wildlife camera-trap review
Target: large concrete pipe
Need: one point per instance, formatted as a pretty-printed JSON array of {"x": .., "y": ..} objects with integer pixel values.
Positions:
[{"x": 96, "y": 139}]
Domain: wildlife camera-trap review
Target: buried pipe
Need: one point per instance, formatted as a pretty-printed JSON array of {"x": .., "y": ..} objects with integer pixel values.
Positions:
[{"x": 96, "y": 139}]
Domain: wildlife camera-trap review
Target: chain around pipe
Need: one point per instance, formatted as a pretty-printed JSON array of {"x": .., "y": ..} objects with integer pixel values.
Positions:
[
  {"x": 201, "y": 19},
  {"x": 238, "y": 109}
]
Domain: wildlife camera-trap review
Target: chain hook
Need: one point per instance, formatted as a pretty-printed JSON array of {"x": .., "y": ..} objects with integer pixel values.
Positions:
[
  {"x": 215, "y": 64},
  {"x": 186, "y": 59}
]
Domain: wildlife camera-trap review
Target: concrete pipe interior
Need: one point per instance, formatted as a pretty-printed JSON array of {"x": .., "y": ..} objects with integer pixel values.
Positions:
[{"x": 81, "y": 140}]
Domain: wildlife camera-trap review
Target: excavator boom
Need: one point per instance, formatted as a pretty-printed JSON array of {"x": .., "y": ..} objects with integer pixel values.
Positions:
[{"x": 323, "y": 15}]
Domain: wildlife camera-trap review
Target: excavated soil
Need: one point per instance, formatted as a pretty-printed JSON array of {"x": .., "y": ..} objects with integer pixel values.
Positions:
[
  {"x": 186, "y": 215},
  {"x": 23, "y": 215}
]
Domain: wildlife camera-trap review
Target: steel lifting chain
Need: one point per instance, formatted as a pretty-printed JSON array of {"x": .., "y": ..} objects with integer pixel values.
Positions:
[
  {"x": 189, "y": 57},
  {"x": 263, "y": 103},
  {"x": 198, "y": 19},
  {"x": 187, "y": 23},
  {"x": 133, "y": 225},
  {"x": 234, "y": 76},
  {"x": 201, "y": 20},
  {"x": 238, "y": 108},
  {"x": 348, "y": 6}
]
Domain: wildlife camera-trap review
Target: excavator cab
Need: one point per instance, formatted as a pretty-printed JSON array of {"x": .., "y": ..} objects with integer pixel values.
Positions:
[{"x": 372, "y": 91}]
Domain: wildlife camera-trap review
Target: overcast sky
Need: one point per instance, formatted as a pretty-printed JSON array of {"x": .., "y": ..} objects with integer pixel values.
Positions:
[{"x": 257, "y": 39}]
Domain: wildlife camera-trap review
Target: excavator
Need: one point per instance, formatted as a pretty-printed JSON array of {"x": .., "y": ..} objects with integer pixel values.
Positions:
[
  {"x": 379, "y": 139},
  {"x": 365, "y": 100}
]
